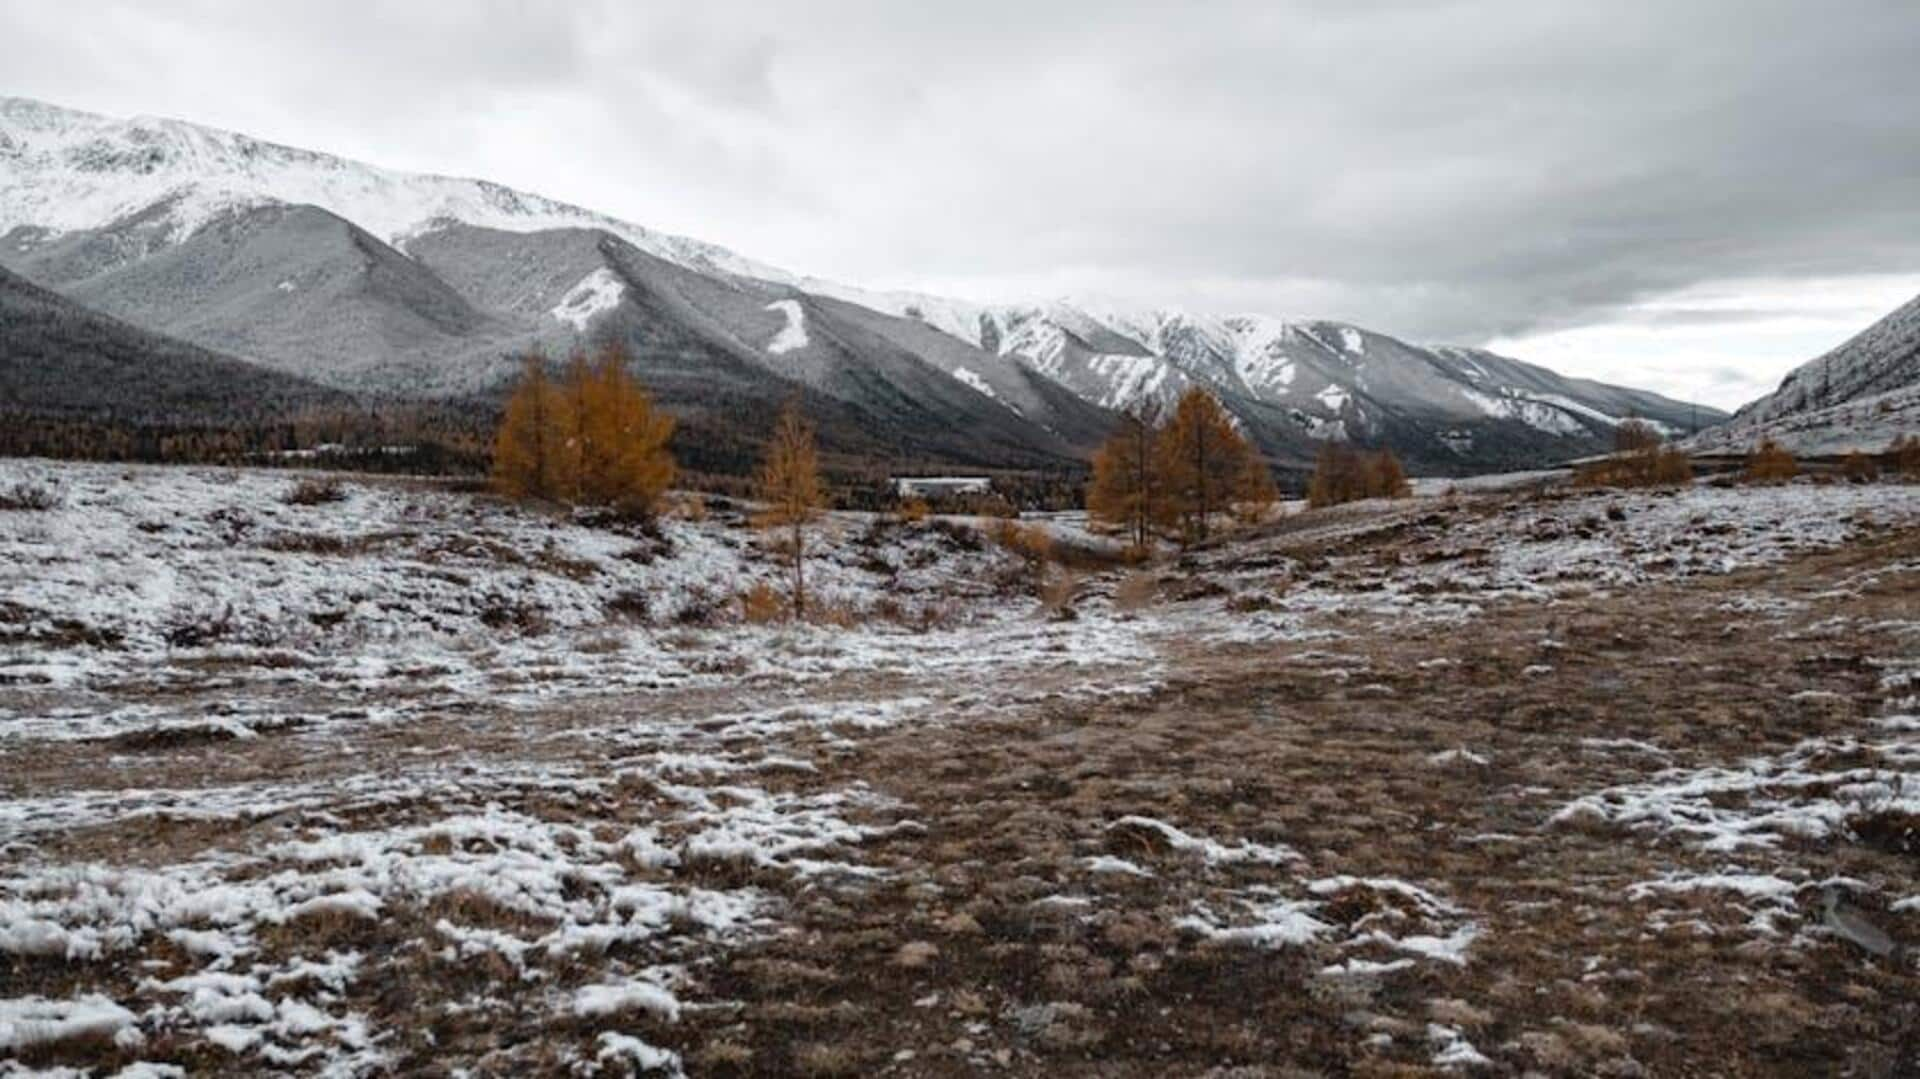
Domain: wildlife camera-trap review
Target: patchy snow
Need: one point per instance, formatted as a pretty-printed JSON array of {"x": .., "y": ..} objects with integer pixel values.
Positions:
[
  {"x": 1551, "y": 417},
  {"x": 1107, "y": 863},
  {"x": 601, "y": 1000},
  {"x": 1452, "y": 1050},
  {"x": 1268, "y": 925},
  {"x": 1769, "y": 800},
  {"x": 669, "y": 786},
  {"x": 28, "y": 1022},
  {"x": 1212, "y": 851},
  {"x": 594, "y": 295},
  {"x": 793, "y": 334},
  {"x": 616, "y": 1047},
  {"x": 971, "y": 379}
]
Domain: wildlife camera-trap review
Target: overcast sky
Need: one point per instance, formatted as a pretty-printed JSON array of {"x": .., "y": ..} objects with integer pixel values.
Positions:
[{"x": 1688, "y": 195}]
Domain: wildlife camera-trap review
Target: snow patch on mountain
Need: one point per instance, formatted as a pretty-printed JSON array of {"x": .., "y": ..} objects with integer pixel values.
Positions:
[
  {"x": 794, "y": 334},
  {"x": 1539, "y": 415},
  {"x": 1133, "y": 380},
  {"x": 596, "y": 294},
  {"x": 971, "y": 379}
]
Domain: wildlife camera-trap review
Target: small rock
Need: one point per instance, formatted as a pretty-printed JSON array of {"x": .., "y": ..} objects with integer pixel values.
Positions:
[{"x": 913, "y": 954}]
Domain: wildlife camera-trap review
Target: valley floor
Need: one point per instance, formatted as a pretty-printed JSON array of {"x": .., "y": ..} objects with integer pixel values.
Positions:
[{"x": 414, "y": 782}]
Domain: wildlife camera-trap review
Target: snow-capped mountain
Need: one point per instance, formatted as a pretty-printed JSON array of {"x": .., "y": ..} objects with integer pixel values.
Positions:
[
  {"x": 1859, "y": 396},
  {"x": 1296, "y": 382},
  {"x": 371, "y": 280},
  {"x": 67, "y": 171}
]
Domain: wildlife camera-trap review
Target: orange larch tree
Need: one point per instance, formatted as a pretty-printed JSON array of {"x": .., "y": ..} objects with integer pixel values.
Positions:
[
  {"x": 1205, "y": 465},
  {"x": 529, "y": 450},
  {"x": 790, "y": 487},
  {"x": 1125, "y": 490},
  {"x": 623, "y": 456}
]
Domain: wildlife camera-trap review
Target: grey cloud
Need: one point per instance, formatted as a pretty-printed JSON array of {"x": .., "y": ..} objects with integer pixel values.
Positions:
[{"x": 1455, "y": 170}]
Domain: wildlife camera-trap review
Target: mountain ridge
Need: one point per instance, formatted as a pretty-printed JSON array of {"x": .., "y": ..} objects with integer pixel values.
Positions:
[{"x": 451, "y": 277}]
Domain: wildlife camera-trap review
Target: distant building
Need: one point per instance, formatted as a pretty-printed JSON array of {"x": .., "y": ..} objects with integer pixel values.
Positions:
[{"x": 936, "y": 486}]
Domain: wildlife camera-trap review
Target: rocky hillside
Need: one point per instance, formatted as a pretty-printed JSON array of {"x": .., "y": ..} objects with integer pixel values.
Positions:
[{"x": 1861, "y": 395}]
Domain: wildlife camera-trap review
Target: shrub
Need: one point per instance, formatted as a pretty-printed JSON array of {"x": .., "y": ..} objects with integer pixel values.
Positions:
[
  {"x": 315, "y": 491},
  {"x": 1057, "y": 590},
  {"x": 762, "y": 604},
  {"x": 691, "y": 507},
  {"x": 1859, "y": 468},
  {"x": 913, "y": 510},
  {"x": 1028, "y": 541},
  {"x": 1136, "y": 590},
  {"x": 1904, "y": 455},
  {"x": 633, "y": 605},
  {"x": 837, "y": 615},
  {"x": 25, "y": 496},
  {"x": 1654, "y": 466},
  {"x": 1769, "y": 463}
]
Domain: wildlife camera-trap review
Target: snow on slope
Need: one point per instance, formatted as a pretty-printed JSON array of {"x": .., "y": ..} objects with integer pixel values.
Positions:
[
  {"x": 598, "y": 292},
  {"x": 1859, "y": 396},
  {"x": 63, "y": 170},
  {"x": 1335, "y": 380},
  {"x": 792, "y": 335}
]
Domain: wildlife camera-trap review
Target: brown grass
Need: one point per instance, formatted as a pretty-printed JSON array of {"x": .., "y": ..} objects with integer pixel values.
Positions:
[{"x": 763, "y": 603}]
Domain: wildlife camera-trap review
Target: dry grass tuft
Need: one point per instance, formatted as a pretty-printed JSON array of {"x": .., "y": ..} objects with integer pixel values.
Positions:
[
  {"x": 25, "y": 496},
  {"x": 1137, "y": 591},
  {"x": 1769, "y": 463},
  {"x": 763, "y": 603},
  {"x": 315, "y": 491}
]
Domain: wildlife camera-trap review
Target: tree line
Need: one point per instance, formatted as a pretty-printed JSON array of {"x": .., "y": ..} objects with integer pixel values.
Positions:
[{"x": 1178, "y": 476}]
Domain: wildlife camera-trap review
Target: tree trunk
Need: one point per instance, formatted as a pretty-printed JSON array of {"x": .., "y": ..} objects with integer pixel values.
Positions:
[
  {"x": 1200, "y": 478},
  {"x": 799, "y": 575}
]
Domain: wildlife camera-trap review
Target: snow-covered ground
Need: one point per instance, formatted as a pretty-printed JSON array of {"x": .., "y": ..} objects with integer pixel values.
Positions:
[{"x": 267, "y": 765}]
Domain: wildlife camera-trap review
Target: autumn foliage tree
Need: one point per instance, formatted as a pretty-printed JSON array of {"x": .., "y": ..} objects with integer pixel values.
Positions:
[
  {"x": 1205, "y": 466},
  {"x": 622, "y": 456},
  {"x": 1770, "y": 462},
  {"x": 594, "y": 437},
  {"x": 531, "y": 447},
  {"x": 1125, "y": 488},
  {"x": 1344, "y": 474},
  {"x": 790, "y": 487}
]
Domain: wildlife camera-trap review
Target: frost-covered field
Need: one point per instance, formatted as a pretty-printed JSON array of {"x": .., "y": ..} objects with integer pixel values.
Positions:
[{"x": 415, "y": 780}]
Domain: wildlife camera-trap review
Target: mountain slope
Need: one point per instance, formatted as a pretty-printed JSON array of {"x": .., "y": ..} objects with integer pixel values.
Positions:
[
  {"x": 693, "y": 335},
  {"x": 294, "y": 287},
  {"x": 60, "y": 359},
  {"x": 1860, "y": 395},
  {"x": 1297, "y": 382},
  {"x": 258, "y": 249},
  {"x": 373, "y": 280}
]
